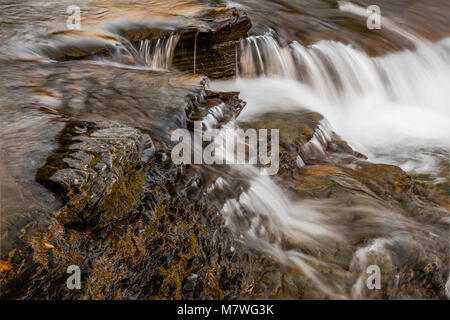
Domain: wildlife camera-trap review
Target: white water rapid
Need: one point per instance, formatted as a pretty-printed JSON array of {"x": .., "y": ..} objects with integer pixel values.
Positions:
[{"x": 395, "y": 109}]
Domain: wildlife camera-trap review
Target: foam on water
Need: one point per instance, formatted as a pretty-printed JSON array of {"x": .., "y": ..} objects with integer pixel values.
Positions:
[
  {"x": 387, "y": 107},
  {"x": 395, "y": 109}
]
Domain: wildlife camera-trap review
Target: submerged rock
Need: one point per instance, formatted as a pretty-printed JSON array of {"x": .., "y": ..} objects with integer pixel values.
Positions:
[
  {"x": 138, "y": 226},
  {"x": 206, "y": 45},
  {"x": 376, "y": 209},
  {"x": 168, "y": 245}
]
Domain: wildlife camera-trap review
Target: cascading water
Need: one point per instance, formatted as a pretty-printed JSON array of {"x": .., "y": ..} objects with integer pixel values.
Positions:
[
  {"x": 392, "y": 108},
  {"x": 264, "y": 217},
  {"x": 394, "y": 98},
  {"x": 158, "y": 54},
  {"x": 261, "y": 55}
]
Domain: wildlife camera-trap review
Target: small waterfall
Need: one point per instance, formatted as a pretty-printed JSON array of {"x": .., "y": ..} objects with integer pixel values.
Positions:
[
  {"x": 397, "y": 104},
  {"x": 340, "y": 72},
  {"x": 263, "y": 216},
  {"x": 195, "y": 53},
  {"x": 159, "y": 53},
  {"x": 317, "y": 145},
  {"x": 263, "y": 56},
  {"x": 391, "y": 108},
  {"x": 214, "y": 116}
]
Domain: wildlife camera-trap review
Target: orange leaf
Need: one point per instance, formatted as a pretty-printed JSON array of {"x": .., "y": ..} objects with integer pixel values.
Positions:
[{"x": 5, "y": 266}]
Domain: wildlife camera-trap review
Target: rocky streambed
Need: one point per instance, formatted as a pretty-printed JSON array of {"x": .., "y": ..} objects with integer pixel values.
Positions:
[
  {"x": 88, "y": 180},
  {"x": 137, "y": 225}
]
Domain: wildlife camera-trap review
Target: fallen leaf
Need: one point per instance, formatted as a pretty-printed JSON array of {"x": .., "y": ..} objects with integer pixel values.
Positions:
[
  {"x": 5, "y": 266},
  {"x": 49, "y": 246}
]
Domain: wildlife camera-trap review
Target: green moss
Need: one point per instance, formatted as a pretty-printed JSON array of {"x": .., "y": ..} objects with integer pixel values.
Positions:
[
  {"x": 124, "y": 195},
  {"x": 193, "y": 246},
  {"x": 94, "y": 161},
  {"x": 160, "y": 210},
  {"x": 172, "y": 281}
]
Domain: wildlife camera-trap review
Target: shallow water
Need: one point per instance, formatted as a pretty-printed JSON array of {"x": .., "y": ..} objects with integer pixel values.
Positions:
[
  {"x": 385, "y": 92},
  {"x": 392, "y": 108}
]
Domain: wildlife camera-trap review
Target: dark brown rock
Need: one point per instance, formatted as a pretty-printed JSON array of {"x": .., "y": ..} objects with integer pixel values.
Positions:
[
  {"x": 207, "y": 45},
  {"x": 137, "y": 225},
  {"x": 213, "y": 52},
  {"x": 365, "y": 201}
]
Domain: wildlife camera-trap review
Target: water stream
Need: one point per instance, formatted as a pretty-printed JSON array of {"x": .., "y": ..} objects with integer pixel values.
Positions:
[{"x": 392, "y": 107}]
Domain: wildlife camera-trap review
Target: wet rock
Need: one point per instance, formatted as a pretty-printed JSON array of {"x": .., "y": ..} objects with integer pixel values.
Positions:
[
  {"x": 167, "y": 247},
  {"x": 96, "y": 158},
  {"x": 206, "y": 45},
  {"x": 98, "y": 168},
  {"x": 138, "y": 226},
  {"x": 78, "y": 44},
  {"x": 354, "y": 194},
  {"x": 330, "y": 168},
  {"x": 154, "y": 102},
  {"x": 305, "y": 136},
  {"x": 213, "y": 51}
]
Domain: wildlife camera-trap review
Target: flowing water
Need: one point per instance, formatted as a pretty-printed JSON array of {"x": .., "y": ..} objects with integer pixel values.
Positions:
[
  {"x": 387, "y": 94},
  {"x": 388, "y": 107},
  {"x": 394, "y": 108},
  {"x": 159, "y": 54}
]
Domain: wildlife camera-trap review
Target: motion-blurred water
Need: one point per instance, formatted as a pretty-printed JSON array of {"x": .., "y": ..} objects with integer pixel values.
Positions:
[
  {"x": 386, "y": 92},
  {"x": 394, "y": 108}
]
